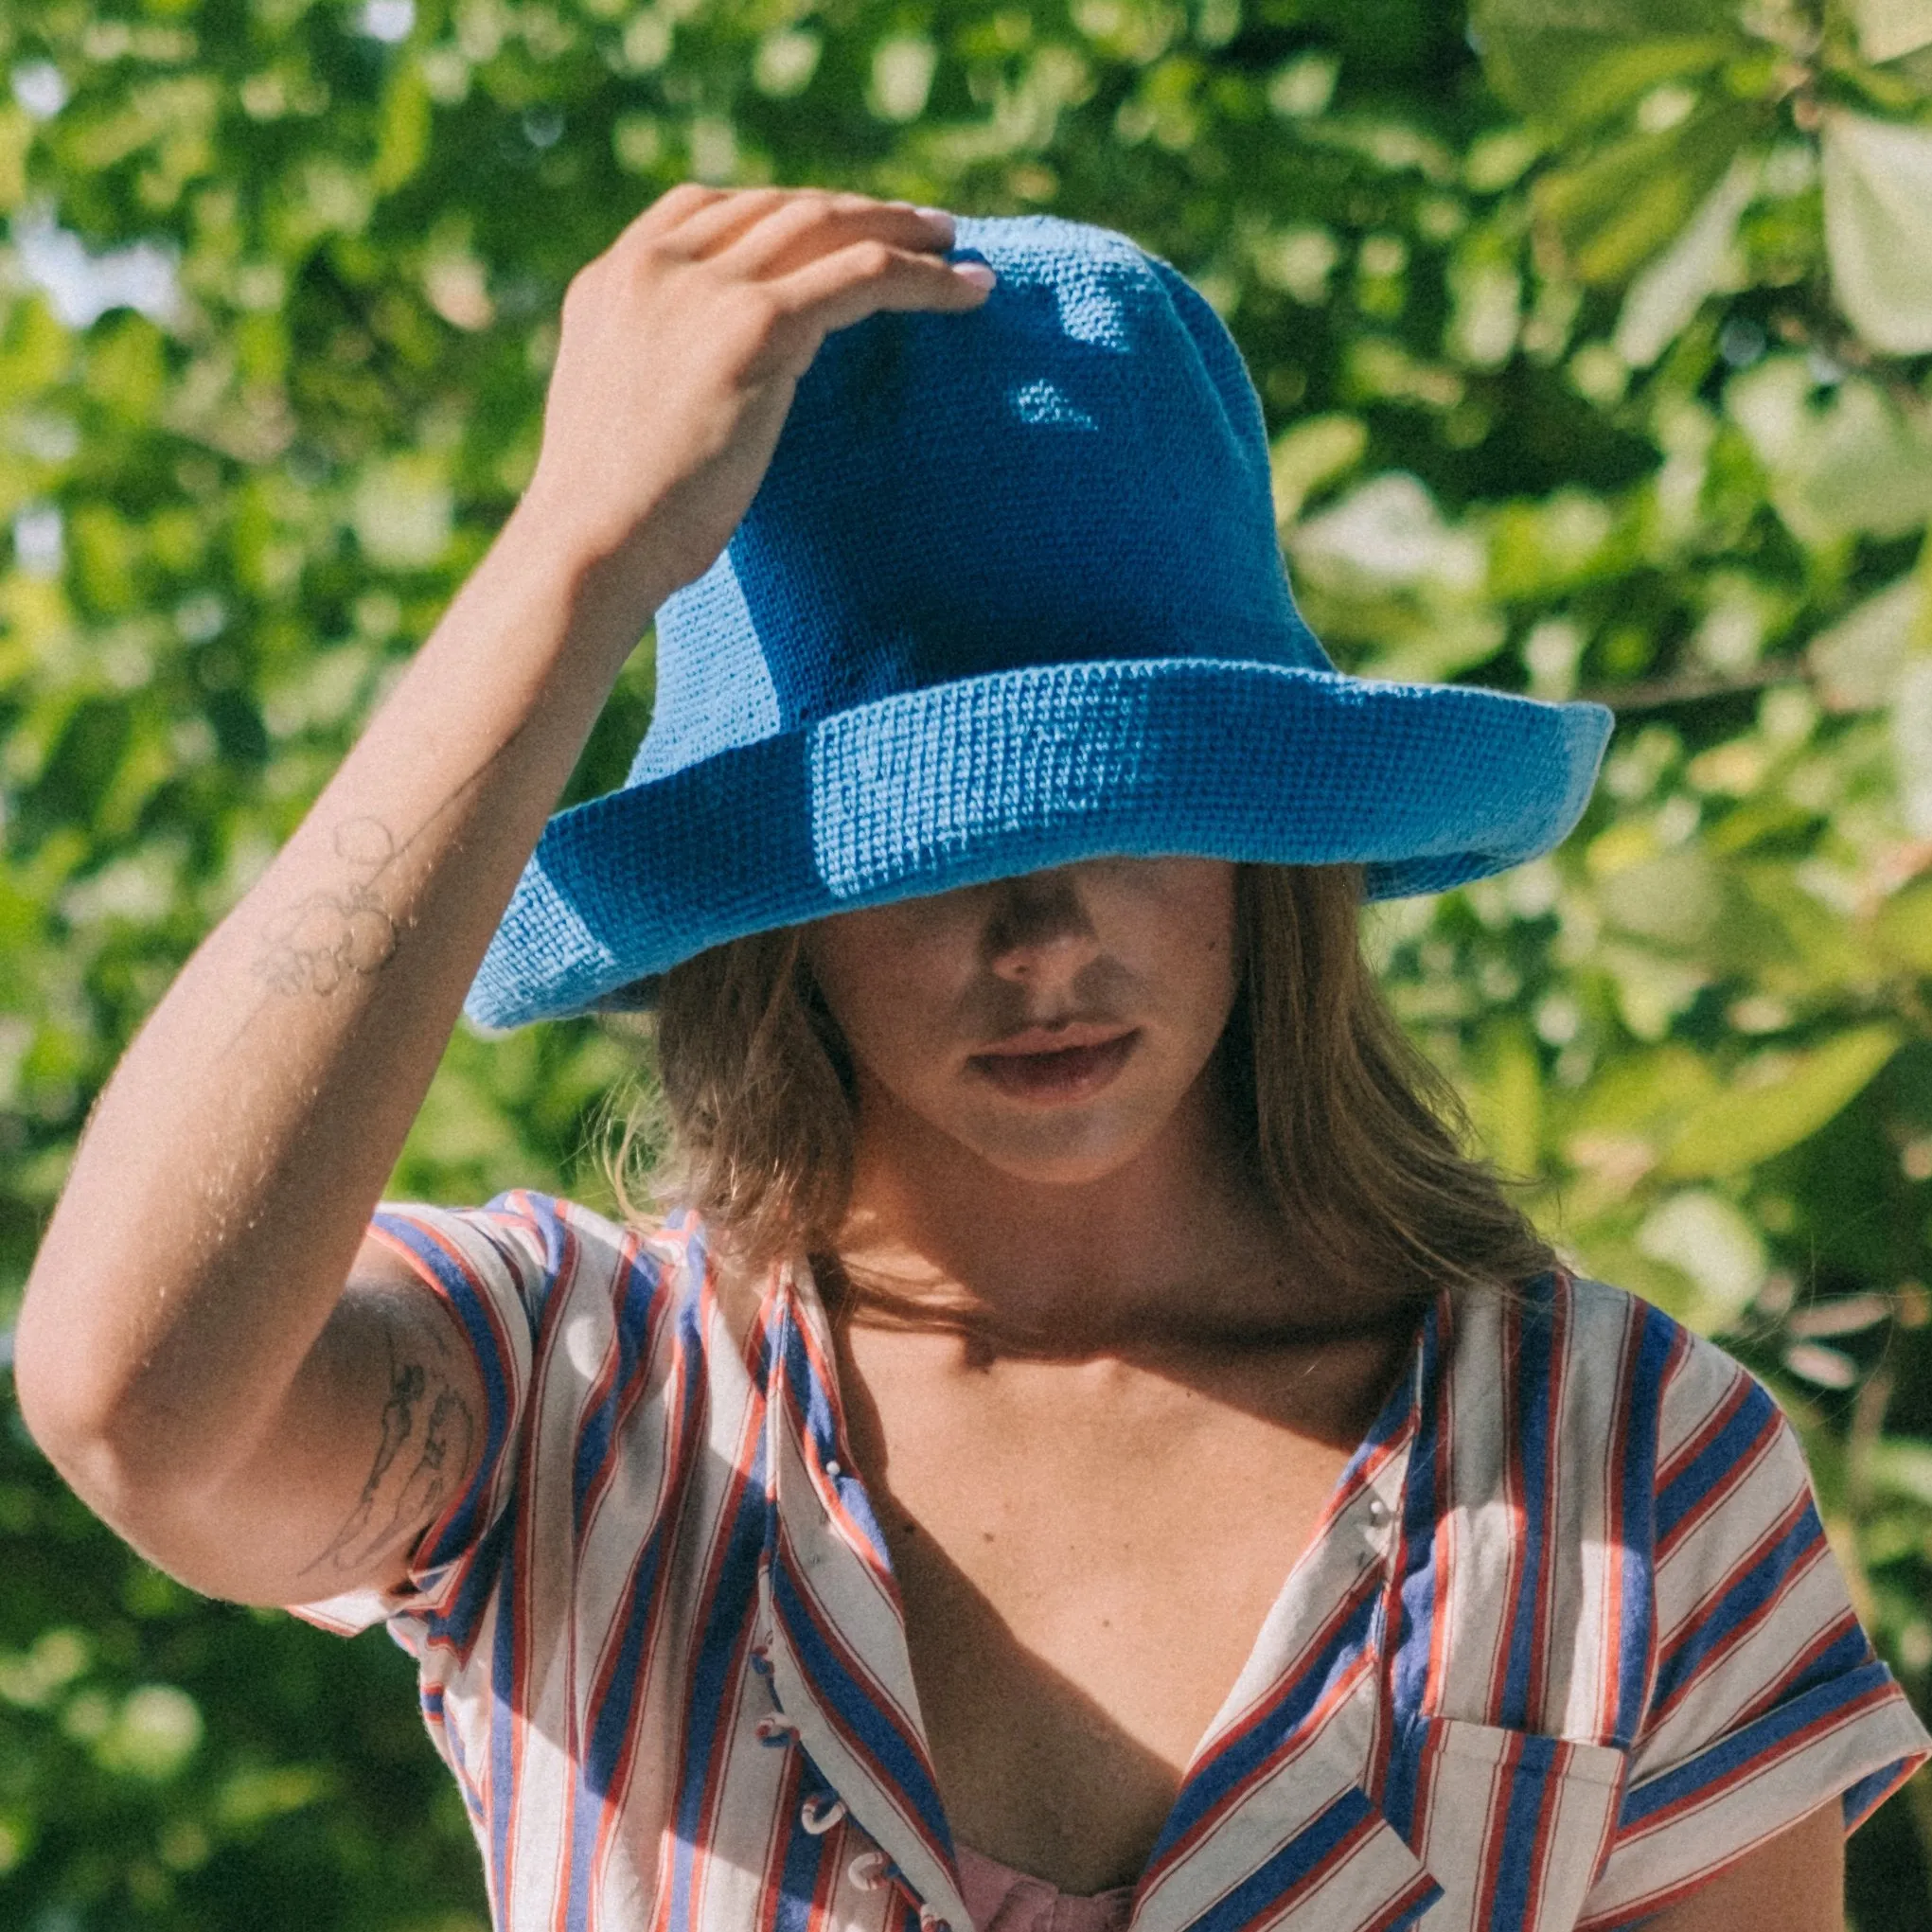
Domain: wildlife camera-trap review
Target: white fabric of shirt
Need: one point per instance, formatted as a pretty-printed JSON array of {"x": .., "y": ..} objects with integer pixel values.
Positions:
[{"x": 1567, "y": 1640}]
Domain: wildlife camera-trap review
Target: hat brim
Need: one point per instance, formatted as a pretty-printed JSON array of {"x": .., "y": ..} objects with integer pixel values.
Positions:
[{"x": 1425, "y": 786}]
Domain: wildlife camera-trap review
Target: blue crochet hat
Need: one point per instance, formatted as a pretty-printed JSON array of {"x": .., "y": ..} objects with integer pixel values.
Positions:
[{"x": 1010, "y": 596}]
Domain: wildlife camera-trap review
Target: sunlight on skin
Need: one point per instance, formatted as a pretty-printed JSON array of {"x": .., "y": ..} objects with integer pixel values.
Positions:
[{"x": 1041, "y": 1144}]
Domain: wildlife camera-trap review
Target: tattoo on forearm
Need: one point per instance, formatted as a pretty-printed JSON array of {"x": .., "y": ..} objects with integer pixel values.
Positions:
[
  {"x": 331, "y": 936},
  {"x": 424, "y": 1448},
  {"x": 335, "y": 936}
]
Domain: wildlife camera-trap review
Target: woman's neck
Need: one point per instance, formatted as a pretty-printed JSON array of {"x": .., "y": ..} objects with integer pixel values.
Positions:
[{"x": 1178, "y": 1243}]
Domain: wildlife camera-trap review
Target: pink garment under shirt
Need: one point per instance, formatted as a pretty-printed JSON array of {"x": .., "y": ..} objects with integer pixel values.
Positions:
[{"x": 1003, "y": 1900}]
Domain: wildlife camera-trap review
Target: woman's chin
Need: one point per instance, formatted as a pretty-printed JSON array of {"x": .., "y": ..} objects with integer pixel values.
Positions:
[{"x": 1067, "y": 1147}]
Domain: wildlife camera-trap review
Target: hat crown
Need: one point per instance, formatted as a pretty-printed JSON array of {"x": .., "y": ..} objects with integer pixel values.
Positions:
[{"x": 1075, "y": 471}]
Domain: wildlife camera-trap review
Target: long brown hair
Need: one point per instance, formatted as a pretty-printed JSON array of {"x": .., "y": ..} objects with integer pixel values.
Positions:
[{"x": 1354, "y": 1137}]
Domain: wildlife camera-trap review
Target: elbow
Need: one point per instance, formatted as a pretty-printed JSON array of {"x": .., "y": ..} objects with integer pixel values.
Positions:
[
  {"x": 64, "y": 1399},
  {"x": 91, "y": 1446},
  {"x": 149, "y": 1478},
  {"x": 46, "y": 1395},
  {"x": 86, "y": 1420},
  {"x": 68, "y": 1415},
  {"x": 104, "y": 1452}
]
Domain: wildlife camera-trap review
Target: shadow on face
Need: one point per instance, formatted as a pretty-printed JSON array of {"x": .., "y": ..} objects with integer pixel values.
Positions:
[{"x": 1051, "y": 1024}]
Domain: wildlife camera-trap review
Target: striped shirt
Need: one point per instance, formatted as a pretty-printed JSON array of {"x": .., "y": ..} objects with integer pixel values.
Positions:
[{"x": 1567, "y": 1639}]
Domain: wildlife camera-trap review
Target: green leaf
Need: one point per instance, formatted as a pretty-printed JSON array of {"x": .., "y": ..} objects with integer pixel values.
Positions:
[
  {"x": 1878, "y": 228},
  {"x": 1745, "y": 1126},
  {"x": 1310, "y": 454},
  {"x": 1902, "y": 1466},
  {"x": 1505, "y": 1094},
  {"x": 16, "y": 137},
  {"x": 1675, "y": 898},
  {"x": 1888, "y": 29},
  {"x": 1709, "y": 1240},
  {"x": 1911, "y": 738},
  {"x": 1904, "y": 928},
  {"x": 1856, "y": 463},
  {"x": 1566, "y": 64},
  {"x": 1641, "y": 1094},
  {"x": 1614, "y": 210},
  {"x": 1790, "y": 937},
  {"x": 403, "y": 138},
  {"x": 1671, "y": 288},
  {"x": 1858, "y": 662},
  {"x": 401, "y": 511}
]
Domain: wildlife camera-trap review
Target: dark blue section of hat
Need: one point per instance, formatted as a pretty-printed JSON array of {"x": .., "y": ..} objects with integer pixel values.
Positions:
[{"x": 1025, "y": 485}]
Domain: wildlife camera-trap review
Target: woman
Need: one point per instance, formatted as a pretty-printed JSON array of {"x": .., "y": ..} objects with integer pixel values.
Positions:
[{"x": 1088, "y": 1444}]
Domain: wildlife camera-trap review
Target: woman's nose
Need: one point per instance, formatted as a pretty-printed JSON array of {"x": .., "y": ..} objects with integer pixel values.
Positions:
[{"x": 1040, "y": 930}]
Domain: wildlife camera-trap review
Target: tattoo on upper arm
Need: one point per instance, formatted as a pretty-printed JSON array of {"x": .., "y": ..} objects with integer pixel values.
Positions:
[
  {"x": 330, "y": 937},
  {"x": 423, "y": 1449}
]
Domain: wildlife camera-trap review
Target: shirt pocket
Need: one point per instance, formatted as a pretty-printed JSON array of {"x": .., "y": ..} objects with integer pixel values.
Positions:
[{"x": 1512, "y": 1825}]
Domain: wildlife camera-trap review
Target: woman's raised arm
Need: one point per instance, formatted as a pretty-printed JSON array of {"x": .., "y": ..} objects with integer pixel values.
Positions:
[{"x": 186, "y": 1354}]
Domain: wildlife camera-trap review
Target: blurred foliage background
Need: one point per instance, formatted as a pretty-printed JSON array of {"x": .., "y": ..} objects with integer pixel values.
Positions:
[{"x": 1596, "y": 342}]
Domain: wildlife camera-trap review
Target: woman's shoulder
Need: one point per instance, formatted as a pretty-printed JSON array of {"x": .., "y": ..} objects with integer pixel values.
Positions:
[
  {"x": 1695, "y": 1373},
  {"x": 1565, "y": 1321},
  {"x": 1605, "y": 1380},
  {"x": 547, "y": 1249}
]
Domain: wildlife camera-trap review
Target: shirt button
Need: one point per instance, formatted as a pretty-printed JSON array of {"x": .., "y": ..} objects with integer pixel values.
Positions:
[
  {"x": 819, "y": 1815},
  {"x": 868, "y": 1872},
  {"x": 833, "y": 1470},
  {"x": 1379, "y": 1511}
]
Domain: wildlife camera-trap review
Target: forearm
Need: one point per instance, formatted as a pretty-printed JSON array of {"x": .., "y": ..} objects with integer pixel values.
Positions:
[
  {"x": 176, "y": 1354},
  {"x": 223, "y": 1184}
]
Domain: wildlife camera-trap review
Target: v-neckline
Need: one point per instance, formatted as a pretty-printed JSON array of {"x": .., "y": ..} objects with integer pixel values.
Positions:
[{"x": 1353, "y": 1533}]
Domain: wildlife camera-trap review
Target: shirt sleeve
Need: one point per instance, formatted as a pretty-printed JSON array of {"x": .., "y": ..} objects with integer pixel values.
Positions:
[
  {"x": 1766, "y": 1698},
  {"x": 493, "y": 1269}
]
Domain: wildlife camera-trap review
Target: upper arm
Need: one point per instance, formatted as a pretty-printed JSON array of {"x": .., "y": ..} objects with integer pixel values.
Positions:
[
  {"x": 380, "y": 1430},
  {"x": 1792, "y": 1883}
]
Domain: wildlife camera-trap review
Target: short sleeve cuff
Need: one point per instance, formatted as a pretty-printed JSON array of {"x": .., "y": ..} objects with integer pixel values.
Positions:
[
  {"x": 474, "y": 1265},
  {"x": 1855, "y": 1738}
]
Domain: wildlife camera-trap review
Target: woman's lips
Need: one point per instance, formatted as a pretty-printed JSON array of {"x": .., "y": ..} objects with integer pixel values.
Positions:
[{"x": 1027, "y": 1068}]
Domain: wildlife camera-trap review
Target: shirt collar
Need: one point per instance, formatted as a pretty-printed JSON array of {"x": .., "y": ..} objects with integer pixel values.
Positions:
[
  {"x": 834, "y": 1628},
  {"x": 1278, "y": 1808}
]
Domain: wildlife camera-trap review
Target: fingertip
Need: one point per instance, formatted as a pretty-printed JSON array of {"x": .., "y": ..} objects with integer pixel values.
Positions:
[{"x": 975, "y": 275}]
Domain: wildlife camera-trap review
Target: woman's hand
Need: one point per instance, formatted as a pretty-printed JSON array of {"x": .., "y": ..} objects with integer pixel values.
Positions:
[{"x": 683, "y": 345}]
